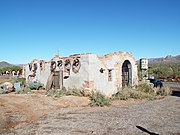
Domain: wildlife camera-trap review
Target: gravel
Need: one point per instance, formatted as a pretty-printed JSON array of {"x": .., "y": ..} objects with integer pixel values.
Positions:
[
  {"x": 160, "y": 117},
  {"x": 148, "y": 117}
]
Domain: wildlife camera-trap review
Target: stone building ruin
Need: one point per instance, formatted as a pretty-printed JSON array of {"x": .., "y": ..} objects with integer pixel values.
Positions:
[{"x": 87, "y": 72}]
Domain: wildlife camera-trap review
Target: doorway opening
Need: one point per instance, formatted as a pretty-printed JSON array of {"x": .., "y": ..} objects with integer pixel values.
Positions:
[{"x": 126, "y": 74}]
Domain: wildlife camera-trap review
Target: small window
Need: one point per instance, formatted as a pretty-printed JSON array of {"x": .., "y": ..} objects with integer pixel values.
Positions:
[
  {"x": 76, "y": 65},
  {"x": 35, "y": 67},
  {"x": 109, "y": 75},
  {"x": 30, "y": 67},
  {"x": 67, "y": 67},
  {"x": 60, "y": 63},
  {"x": 41, "y": 66},
  {"x": 102, "y": 70}
]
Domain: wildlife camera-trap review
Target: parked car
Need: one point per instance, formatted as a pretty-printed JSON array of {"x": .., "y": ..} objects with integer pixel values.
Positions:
[{"x": 156, "y": 82}]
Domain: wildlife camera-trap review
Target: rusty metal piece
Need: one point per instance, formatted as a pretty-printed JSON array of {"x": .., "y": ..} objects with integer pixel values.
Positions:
[{"x": 76, "y": 65}]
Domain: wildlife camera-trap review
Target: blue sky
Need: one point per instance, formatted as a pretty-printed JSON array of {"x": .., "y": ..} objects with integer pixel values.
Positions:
[{"x": 39, "y": 28}]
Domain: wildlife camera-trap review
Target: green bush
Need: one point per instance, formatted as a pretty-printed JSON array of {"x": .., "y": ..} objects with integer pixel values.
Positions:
[
  {"x": 145, "y": 87},
  {"x": 64, "y": 92},
  {"x": 164, "y": 70},
  {"x": 11, "y": 68},
  {"x": 99, "y": 99},
  {"x": 22, "y": 80}
]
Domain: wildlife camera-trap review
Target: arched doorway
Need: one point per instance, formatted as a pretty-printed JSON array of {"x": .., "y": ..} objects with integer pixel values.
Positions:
[{"x": 126, "y": 74}]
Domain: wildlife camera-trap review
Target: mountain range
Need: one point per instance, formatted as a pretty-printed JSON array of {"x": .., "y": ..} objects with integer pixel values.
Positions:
[
  {"x": 168, "y": 58},
  {"x": 4, "y": 64}
]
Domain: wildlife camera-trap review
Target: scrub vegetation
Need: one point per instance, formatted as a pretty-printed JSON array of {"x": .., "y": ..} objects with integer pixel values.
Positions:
[
  {"x": 142, "y": 91},
  {"x": 64, "y": 92},
  {"x": 169, "y": 71}
]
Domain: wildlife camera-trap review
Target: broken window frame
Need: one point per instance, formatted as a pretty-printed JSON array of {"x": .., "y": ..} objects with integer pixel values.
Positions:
[
  {"x": 30, "y": 66},
  {"x": 35, "y": 67},
  {"x": 67, "y": 67},
  {"x": 76, "y": 65},
  {"x": 60, "y": 63},
  {"x": 109, "y": 75},
  {"x": 53, "y": 66},
  {"x": 42, "y": 65}
]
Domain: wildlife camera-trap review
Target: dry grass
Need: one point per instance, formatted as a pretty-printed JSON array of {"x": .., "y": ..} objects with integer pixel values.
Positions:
[
  {"x": 99, "y": 99},
  {"x": 142, "y": 91}
]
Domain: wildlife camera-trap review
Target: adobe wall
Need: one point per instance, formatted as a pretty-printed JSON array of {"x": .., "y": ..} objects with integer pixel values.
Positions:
[
  {"x": 113, "y": 62},
  {"x": 93, "y": 72}
]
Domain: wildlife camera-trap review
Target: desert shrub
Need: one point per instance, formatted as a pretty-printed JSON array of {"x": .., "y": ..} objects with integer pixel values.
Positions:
[
  {"x": 128, "y": 93},
  {"x": 35, "y": 85},
  {"x": 164, "y": 69},
  {"x": 74, "y": 92},
  {"x": 63, "y": 92},
  {"x": 164, "y": 91},
  {"x": 23, "y": 91},
  {"x": 99, "y": 99},
  {"x": 10, "y": 68},
  {"x": 57, "y": 92},
  {"x": 142, "y": 95},
  {"x": 54, "y": 93},
  {"x": 123, "y": 94},
  {"x": 2, "y": 91},
  {"x": 22, "y": 80},
  {"x": 138, "y": 95},
  {"x": 145, "y": 87}
]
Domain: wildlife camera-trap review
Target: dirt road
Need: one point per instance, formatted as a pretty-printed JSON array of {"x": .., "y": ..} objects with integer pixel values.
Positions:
[{"x": 40, "y": 115}]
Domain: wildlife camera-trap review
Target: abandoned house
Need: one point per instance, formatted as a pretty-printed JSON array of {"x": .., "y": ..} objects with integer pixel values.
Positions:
[{"x": 87, "y": 72}]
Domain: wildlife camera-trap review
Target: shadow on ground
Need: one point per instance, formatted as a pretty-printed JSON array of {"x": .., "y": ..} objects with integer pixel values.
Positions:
[
  {"x": 146, "y": 131},
  {"x": 176, "y": 93}
]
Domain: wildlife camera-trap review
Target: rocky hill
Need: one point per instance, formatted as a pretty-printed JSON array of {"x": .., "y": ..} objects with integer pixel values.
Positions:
[
  {"x": 5, "y": 64},
  {"x": 168, "y": 58}
]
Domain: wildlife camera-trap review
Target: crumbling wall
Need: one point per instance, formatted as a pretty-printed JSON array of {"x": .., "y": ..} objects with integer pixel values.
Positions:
[
  {"x": 106, "y": 71},
  {"x": 87, "y": 72},
  {"x": 80, "y": 74},
  {"x": 37, "y": 69},
  {"x": 123, "y": 57}
]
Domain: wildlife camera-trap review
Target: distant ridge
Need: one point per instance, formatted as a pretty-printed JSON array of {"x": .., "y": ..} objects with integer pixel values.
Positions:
[
  {"x": 168, "y": 58},
  {"x": 4, "y": 64}
]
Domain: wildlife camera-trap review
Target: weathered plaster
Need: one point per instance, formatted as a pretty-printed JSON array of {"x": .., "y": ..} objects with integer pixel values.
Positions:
[{"x": 92, "y": 73}]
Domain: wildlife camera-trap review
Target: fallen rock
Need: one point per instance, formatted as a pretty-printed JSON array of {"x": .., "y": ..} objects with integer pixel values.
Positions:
[{"x": 8, "y": 86}]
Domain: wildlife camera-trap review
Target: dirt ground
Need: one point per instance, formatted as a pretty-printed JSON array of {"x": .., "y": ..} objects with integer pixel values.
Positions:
[
  {"x": 18, "y": 110},
  {"x": 6, "y": 79},
  {"x": 35, "y": 114}
]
